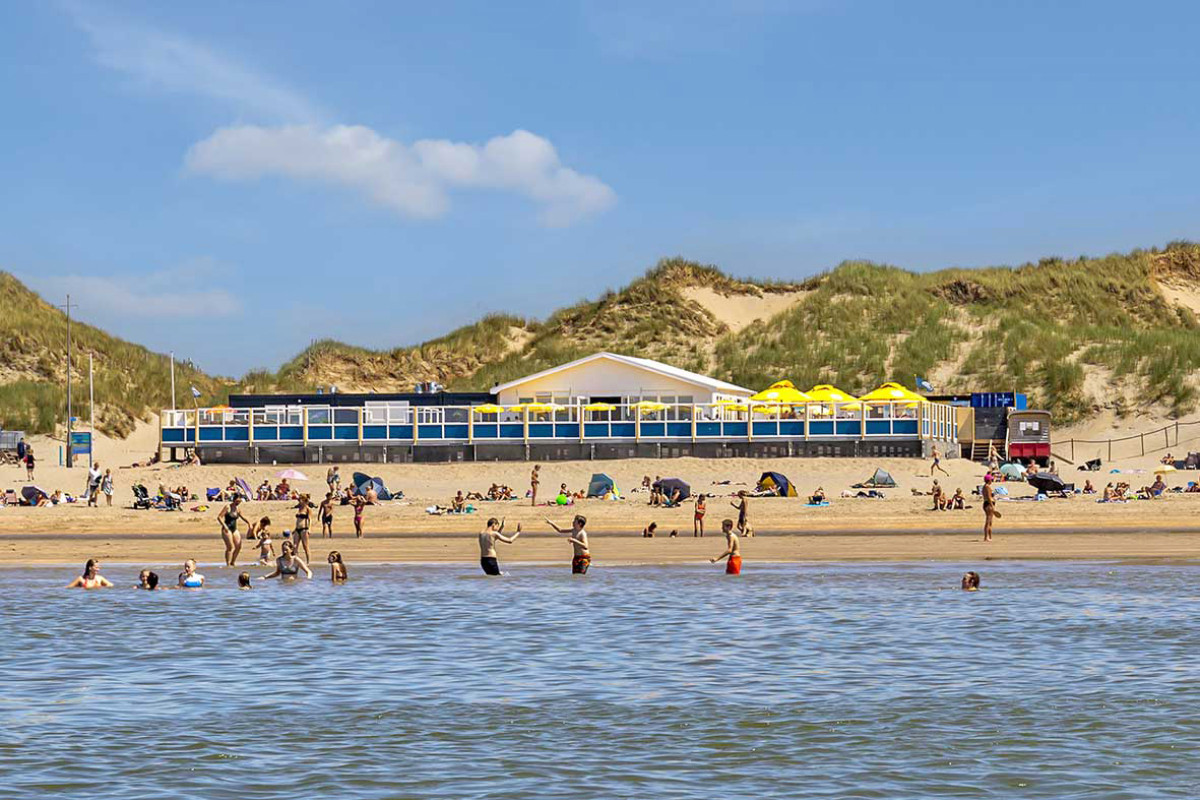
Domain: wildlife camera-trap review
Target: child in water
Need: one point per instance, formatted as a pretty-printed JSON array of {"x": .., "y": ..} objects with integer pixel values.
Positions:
[
  {"x": 970, "y": 582},
  {"x": 266, "y": 550},
  {"x": 244, "y": 581},
  {"x": 337, "y": 568}
]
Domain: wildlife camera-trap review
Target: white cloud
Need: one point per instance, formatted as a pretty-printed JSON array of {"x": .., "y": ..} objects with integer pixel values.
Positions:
[
  {"x": 179, "y": 292},
  {"x": 175, "y": 63},
  {"x": 412, "y": 180}
]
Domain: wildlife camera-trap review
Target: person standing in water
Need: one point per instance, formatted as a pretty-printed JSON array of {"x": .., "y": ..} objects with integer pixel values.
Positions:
[
  {"x": 228, "y": 518},
  {"x": 937, "y": 463},
  {"x": 289, "y": 565},
  {"x": 325, "y": 513},
  {"x": 577, "y": 536},
  {"x": 989, "y": 507},
  {"x": 494, "y": 532},
  {"x": 359, "y": 504},
  {"x": 91, "y": 577},
  {"x": 733, "y": 550},
  {"x": 533, "y": 484},
  {"x": 303, "y": 520},
  {"x": 698, "y": 518},
  {"x": 189, "y": 578}
]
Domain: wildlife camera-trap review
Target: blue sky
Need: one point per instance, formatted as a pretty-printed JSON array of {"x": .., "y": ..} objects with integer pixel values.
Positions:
[{"x": 233, "y": 180}]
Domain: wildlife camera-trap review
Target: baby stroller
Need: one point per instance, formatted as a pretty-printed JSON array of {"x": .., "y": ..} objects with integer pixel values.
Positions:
[{"x": 141, "y": 497}]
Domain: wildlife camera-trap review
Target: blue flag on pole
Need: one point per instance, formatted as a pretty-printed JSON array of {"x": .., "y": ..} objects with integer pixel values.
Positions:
[
  {"x": 923, "y": 385},
  {"x": 195, "y": 393}
]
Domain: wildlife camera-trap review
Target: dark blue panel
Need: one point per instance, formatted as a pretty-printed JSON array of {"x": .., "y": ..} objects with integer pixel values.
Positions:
[
  {"x": 237, "y": 433},
  {"x": 400, "y": 432},
  {"x": 291, "y": 433},
  {"x": 541, "y": 430},
  {"x": 734, "y": 428},
  {"x": 320, "y": 433},
  {"x": 456, "y": 430},
  {"x": 623, "y": 429},
  {"x": 176, "y": 435},
  {"x": 822, "y": 427},
  {"x": 346, "y": 432},
  {"x": 266, "y": 433},
  {"x": 878, "y": 427},
  {"x": 211, "y": 434},
  {"x": 764, "y": 428},
  {"x": 429, "y": 432},
  {"x": 791, "y": 427},
  {"x": 849, "y": 427},
  {"x": 512, "y": 430},
  {"x": 595, "y": 429},
  {"x": 710, "y": 429},
  {"x": 653, "y": 429},
  {"x": 567, "y": 430},
  {"x": 487, "y": 430},
  {"x": 679, "y": 429},
  {"x": 375, "y": 432}
]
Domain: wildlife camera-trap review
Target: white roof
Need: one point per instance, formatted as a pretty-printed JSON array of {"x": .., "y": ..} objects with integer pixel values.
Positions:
[{"x": 641, "y": 363}]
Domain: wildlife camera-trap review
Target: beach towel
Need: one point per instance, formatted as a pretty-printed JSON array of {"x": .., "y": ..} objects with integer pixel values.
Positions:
[{"x": 821, "y": 504}]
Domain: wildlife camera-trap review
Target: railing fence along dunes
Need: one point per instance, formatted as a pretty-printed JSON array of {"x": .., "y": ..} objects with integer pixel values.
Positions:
[{"x": 1160, "y": 440}]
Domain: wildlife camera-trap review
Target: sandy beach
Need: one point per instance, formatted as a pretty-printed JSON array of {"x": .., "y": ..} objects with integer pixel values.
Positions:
[{"x": 900, "y": 526}]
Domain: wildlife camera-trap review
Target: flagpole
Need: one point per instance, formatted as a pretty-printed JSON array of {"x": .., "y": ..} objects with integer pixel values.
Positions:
[
  {"x": 91, "y": 409},
  {"x": 172, "y": 380}
]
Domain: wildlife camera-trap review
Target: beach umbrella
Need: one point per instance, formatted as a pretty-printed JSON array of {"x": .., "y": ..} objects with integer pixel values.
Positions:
[
  {"x": 599, "y": 407},
  {"x": 1012, "y": 471},
  {"x": 488, "y": 408},
  {"x": 536, "y": 408},
  {"x": 222, "y": 409},
  {"x": 650, "y": 406},
  {"x": 827, "y": 395},
  {"x": 669, "y": 485},
  {"x": 892, "y": 393},
  {"x": 1045, "y": 482},
  {"x": 292, "y": 475},
  {"x": 781, "y": 394},
  {"x": 1165, "y": 468}
]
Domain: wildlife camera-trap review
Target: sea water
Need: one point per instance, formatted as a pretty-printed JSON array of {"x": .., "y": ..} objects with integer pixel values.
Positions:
[{"x": 1058, "y": 680}]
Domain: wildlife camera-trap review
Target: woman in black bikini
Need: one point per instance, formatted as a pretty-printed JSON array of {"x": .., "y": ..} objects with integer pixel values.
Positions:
[
  {"x": 289, "y": 565},
  {"x": 228, "y": 518},
  {"x": 303, "y": 519}
]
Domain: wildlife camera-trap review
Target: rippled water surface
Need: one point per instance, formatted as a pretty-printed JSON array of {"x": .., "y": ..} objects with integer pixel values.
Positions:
[{"x": 1057, "y": 680}]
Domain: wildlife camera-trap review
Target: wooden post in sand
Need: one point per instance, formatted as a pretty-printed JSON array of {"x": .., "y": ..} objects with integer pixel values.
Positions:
[{"x": 360, "y": 426}]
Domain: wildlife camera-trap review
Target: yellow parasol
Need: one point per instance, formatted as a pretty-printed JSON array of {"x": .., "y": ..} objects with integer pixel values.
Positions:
[
  {"x": 1165, "y": 468},
  {"x": 488, "y": 408},
  {"x": 650, "y": 406},
  {"x": 222, "y": 409},
  {"x": 536, "y": 408},
  {"x": 892, "y": 393},
  {"x": 828, "y": 395},
  {"x": 781, "y": 394},
  {"x": 599, "y": 407}
]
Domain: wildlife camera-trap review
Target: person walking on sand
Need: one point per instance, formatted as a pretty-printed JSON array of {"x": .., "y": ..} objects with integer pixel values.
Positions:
[
  {"x": 93, "y": 485},
  {"x": 325, "y": 514},
  {"x": 733, "y": 550},
  {"x": 577, "y": 536},
  {"x": 359, "y": 505},
  {"x": 228, "y": 517},
  {"x": 29, "y": 460},
  {"x": 989, "y": 508},
  {"x": 494, "y": 532},
  {"x": 106, "y": 486},
  {"x": 743, "y": 509},
  {"x": 937, "y": 463},
  {"x": 698, "y": 517},
  {"x": 533, "y": 484}
]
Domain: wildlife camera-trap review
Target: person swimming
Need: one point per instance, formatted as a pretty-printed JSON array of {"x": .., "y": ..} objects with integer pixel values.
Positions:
[
  {"x": 970, "y": 582},
  {"x": 147, "y": 580},
  {"x": 289, "y": 566},
  {"x": 337, "y": 567},
  {"x": 494, "y": 532},
  {"x": 189, "y": 578},
  {"x": 91, "y": 577},
  {"x": 244, "y": 581}
]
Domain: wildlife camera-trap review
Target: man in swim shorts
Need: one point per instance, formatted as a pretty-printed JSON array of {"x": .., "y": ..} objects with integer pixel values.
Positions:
[
  {"x": 733, "y": 550},
  {"x": 989, "y": 507},
  {"x": 577, "y": 536},
  {"x": 494, "y": 532}
]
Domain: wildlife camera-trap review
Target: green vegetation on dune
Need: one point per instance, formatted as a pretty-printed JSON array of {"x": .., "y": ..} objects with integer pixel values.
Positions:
[
  {"x": 1072, "y": 333},
  {"x": 129, "y": 379}
]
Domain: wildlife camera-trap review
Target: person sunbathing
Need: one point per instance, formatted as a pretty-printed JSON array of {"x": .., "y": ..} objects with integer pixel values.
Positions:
[
  {"x": 459, "y": 504},
  {"x": 1167, "y": 459},
  {"x": 939, "y": 499},
  {"x": 1088, "y": 488},
  {"x": 818, "y": 496},
  {"x": 958, "y": 502}
]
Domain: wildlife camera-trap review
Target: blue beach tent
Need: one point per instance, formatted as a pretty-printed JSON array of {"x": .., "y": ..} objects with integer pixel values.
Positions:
[
  {"x": 777, "y": 484},
  {"x": 601, "y": 485}
]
